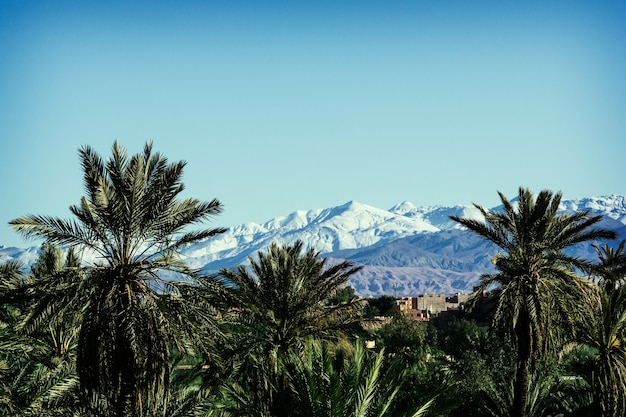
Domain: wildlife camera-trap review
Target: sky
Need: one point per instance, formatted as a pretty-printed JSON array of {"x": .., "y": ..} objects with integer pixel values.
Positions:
[{"x": 280, "y": 106}]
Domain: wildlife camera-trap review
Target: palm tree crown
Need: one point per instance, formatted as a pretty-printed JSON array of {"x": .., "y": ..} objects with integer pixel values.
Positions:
[
  {"x": 611, "y": 268},
  {"x": 535, "y": 280},
  {"x": 603, "y": 327},
  {"x": 133, "y": 221},
  {"x": 286, "y": 291}
]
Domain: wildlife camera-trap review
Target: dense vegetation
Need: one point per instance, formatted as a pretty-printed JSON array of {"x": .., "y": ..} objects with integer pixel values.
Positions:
[{"x": 139, "y": 333}]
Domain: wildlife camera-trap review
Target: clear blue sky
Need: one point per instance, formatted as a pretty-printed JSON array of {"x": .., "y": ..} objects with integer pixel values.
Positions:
[{"x": 280, "y": 106}]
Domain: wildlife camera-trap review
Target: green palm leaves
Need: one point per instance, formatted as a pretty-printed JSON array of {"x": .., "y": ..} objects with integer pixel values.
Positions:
[
  {"x": 611, "y": 269},
  {"x": 327, "y": 380},
  {"x": 278, "y": 302},
  {"x": 131, "y": 216},
  {"x": 132, "y": 221},
  {"x": 284, "y": 296},
  {"x": 333, "y": 382},
  {"x": 603, "y": 327},
  {"x": 536, "y": 284},
  {"x": 39, "y": 375}
]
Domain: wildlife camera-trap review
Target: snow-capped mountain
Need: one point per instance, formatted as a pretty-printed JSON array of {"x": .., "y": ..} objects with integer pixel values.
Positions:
[
  {"x": 349, "y": 226},
  {"x": 406, "y": 250}
]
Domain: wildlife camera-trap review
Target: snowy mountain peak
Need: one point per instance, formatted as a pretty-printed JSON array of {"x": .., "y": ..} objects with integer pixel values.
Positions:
[
  {"x": 354, "y": 208},
  {"x": 611, "y": 206},
  {"x": 403, "y": 208},
  {"x": 353, "y": 205}
]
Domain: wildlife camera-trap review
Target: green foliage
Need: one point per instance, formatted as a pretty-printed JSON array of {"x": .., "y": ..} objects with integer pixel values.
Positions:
[
  {"x": 39, "y": 376},
  {"x": 384, "y": 306},
  {"x": 346, "y": 383},
  {"x": 344, "y": 295},
  {"x": 603, "y": 328},
  {"x": 611, "y": 269},
  {"x": 479, "y": 364},
  {"x": 537, "y": 288},
  {"x": 278, "y": 303},
  {"x": 460, "y": 336},
  {"x": 131, "y": 302},
  {"x": 404, "y": 339},
  {"x": 283, "y": 297},
  {"x": 328, "y": 380},
  {"x": 410, "y": 349}
]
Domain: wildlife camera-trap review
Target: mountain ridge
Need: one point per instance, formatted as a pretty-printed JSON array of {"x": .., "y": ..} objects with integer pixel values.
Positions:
[{"x": 405, "y": 250}]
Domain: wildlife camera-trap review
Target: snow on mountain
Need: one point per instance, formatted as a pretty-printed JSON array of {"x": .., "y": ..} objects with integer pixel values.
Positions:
[
  {"x": 437, "y": 216},
  {"x": 610, "y": 206},
  {"x": 404, "y": 250},
  {"x": 25, "y": 256},
  {"x": 349, "y": 226}
]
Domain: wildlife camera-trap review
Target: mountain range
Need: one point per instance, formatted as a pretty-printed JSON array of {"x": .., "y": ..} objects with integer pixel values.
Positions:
[{"x": 405, "y": 251}]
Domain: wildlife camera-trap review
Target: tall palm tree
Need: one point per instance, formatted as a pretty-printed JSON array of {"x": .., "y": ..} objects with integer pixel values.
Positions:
[
  {"x": 278, "y": 302},
  {"x": 535, "y": 279},
  {"x": 603, "y": 327},
  {"x": 132, "y": 222}
]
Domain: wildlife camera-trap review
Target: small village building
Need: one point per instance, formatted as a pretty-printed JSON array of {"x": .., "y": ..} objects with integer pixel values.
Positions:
[{"x": 425, "y": 306}]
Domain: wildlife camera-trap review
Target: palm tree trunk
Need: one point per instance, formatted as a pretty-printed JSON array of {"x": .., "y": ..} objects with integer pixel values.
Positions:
[
  {"x": 520, "y": 388},
  {"x": 126, "y": 404}
]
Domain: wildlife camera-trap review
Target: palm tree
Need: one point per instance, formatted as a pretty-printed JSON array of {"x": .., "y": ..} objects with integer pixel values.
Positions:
[
  {"x": 548, "y": 395},
  {"x": 535, "y": 278},
  {"x": 14, "y": 347},
  {"x": 603, "y": 327},
  {"x": 330, "y": 381},
  {"x": 326, "y": 379},
  {"x": 612, "y": 266},
  {"x": 278, "y": 302},
  {"x": 49, "y": 383},
  {"x": 132, "y": 222},
  {"x": 39, "y": 358},
  {"x": 284, "y": 296}
]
